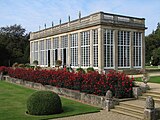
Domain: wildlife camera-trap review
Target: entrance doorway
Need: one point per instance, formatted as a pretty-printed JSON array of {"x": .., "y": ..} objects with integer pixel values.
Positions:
[
  {"x": 48, "y": 58},
  {"x": 64, "y": 56}
]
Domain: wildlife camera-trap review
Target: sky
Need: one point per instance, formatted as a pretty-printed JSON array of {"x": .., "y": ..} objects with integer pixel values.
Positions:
[{"x": 34, "y": 13}]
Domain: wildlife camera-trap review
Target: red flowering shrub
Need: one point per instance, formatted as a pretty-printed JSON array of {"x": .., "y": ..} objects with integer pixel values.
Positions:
[
  {"x": 120, "y": 84},
  {"x": 3, "y": 70},
  {"x": 92, "y": 82}
]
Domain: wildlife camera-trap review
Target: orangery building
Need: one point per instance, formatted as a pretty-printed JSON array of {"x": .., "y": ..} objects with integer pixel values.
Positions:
[{"x": 100, "y": 40}]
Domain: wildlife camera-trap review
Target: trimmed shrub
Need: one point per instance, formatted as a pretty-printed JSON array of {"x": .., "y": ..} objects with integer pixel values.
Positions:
[
  {"x": 35, "y": 62},
  {"x": 58, "y": 62},
  {"x": 21, "y": 65},
  {"x": 90, "y": 69},
  {"x": 44, "y": 103},
  {"x": 80, "y": 70},
  {"x": 69, "y": 69},
  {"x": 15, "y": 65}
]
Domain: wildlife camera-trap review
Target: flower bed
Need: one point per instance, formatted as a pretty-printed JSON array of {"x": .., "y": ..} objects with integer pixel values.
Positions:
[
  {"x": 92, "y": 82},
  {"x": 3, "y": 70}
]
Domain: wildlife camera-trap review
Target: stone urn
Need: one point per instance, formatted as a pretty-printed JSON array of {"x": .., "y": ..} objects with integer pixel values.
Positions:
[
  {"x": 149, "y": 103},
  {"x": 145, "y": 79},
  {"x": 108, "y": 95}
]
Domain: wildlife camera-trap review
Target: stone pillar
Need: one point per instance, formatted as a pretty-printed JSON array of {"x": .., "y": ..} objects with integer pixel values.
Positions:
[
  {"x": 51, "y": 53},
  {"x": 149, "y": 111},
  {"x": 109, "y": 101},
  {"x": 91, "y": 48},
  {"x": 39, "y": 57},
  {"x": 45, "y": 55},
  {"x": 31, "y": 57},
  {"x": 136, "y": 92},
  {"x": 115, "y": 50},
  {"x": 69, "y": 50},
  {"x": 100, "y": 50},
  {"x": 131, "y": 50},
  {"x": 59, "y": 48},
  {"x": 79, "y": 49},
  {"x": 143, "y": 51}
]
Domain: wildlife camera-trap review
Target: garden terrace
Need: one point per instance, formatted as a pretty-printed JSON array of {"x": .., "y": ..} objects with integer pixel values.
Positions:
[{"x": 90, "y": 83}]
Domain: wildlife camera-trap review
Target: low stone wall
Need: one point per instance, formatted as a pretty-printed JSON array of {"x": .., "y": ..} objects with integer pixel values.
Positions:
[
  {"x": 87, "y": 98},
  {"x": 83, "y": 97}
]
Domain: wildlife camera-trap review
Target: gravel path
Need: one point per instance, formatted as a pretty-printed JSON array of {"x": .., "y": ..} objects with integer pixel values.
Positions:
[{"x": 102, "y": 115}]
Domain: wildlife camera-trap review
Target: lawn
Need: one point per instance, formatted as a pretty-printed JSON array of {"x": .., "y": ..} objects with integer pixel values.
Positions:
[
  {"x": 13, "y": 104},
  {"x": 155, "y": 67},
  {"x": 153, "y": 79}
]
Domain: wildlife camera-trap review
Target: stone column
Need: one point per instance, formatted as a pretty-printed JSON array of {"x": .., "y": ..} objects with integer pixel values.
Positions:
[
  {"x": 115, "y": 50},
  {"x": 143, "y": 51},
  {"x": 91, "y": 48},
  {"x": 100, "y": 50},
  {"x": 79, "y": 49},
  {"x": 149, "y": 111},
  {"x": 59, "y": 48},
  {"x": 131, "y": 50},
  {"x": 39, "y": 57},
  {"x": 69, "y": 50},
  {"x": 45, "y": 55},
  {"x": 51, "y": 53},
  {"x": 31, "y": 57}
]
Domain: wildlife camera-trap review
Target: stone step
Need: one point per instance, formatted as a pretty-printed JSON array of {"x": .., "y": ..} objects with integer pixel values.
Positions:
[
  {"x": 138, "y": 111},
  {"x": 130, "y": 109},
  {"x": 132, "y": 106},
  {"x": 144, "y": 98},
  {"x": 152, "y": 94},
  {"x": 132, "y": 114}
]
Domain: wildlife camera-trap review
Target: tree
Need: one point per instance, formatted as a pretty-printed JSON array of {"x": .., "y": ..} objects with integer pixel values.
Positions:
[
  {"x": 156, "y": 56},
  {"x": 153, "y": 46},
  {"x": 13, "y": 40}
]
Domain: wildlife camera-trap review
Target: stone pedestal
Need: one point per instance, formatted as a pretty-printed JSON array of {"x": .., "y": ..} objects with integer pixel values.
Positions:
[
  {"x": 109, "y": 101},
  {"x": 149, "y": 111},
  {"x": 149, "y": 114},
  {"x": 137, "y": 92},
  {"x": 109, "y": 104}
]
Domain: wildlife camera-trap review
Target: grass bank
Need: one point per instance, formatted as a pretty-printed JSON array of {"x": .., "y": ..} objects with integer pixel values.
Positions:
[
  {"x": 153, "y": 79},
  {"x": 13, "y": 104}
]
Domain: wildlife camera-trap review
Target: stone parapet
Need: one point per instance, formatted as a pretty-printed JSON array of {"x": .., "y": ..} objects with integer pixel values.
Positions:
[{"x": 99, "y": 18}]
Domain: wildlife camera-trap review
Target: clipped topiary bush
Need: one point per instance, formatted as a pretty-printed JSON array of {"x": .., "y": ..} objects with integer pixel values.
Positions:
[
  {"x": 21, "y": 65},
  {"x": 69, "y": 69},
  {"x": 90, "y": 69},
  {"x": 44, "y": 103},
  {"x": 80, "y": 70},
  {"x": 15, "y": 65}
]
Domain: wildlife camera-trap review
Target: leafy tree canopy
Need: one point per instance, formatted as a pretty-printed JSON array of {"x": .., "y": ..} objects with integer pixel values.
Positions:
[
  {"x": 153, "y": 47},
  {"x": 14, "y": 41}
]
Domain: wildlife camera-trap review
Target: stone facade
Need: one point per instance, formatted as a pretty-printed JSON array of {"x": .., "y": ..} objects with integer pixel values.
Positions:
[{"x": 100, "y": 40}]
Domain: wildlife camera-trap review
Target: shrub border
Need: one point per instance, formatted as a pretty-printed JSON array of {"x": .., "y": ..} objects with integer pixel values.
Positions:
[{"x": 96, "y": 100}]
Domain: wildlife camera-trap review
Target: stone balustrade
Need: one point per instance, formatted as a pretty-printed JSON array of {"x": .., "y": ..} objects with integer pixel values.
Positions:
[{"x": 99, "y": 18}]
